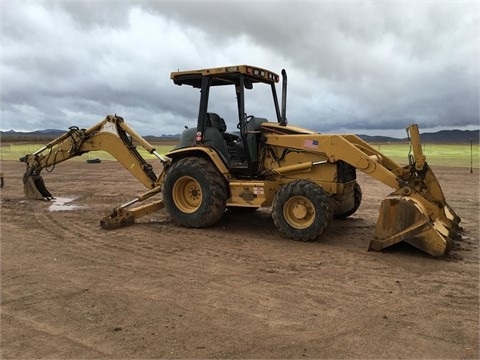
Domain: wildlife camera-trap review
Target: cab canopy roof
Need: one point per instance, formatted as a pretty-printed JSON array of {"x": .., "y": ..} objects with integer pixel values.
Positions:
[{"x": 226, "y": 75}]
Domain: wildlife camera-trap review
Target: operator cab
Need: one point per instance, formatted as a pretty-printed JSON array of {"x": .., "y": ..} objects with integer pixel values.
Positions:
[
  {"x": 226, "y": 96},
  {"x": 235, "y": 149}
]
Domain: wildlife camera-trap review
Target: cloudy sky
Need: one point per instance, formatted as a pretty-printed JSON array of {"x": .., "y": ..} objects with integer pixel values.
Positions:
[{"x": 369, "y": 67}]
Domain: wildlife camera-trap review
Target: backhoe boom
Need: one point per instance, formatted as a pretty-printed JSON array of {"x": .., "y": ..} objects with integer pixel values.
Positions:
[{"x": 112, "y": 135}]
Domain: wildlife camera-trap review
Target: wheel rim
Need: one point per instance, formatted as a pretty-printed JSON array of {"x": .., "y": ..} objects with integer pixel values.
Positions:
[
  {"x": 187, "y": 194},
  {"x": 299, "y": 212}
]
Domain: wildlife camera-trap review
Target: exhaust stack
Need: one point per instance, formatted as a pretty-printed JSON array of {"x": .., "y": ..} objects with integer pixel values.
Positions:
[{"x": 283, "y": 120}]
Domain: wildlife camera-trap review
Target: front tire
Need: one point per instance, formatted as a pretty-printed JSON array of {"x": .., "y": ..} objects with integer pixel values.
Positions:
[
  {"x": 357, "y": 195},
  {"x": 302, "y": 210},
  {"x": 195, "y": 193}
]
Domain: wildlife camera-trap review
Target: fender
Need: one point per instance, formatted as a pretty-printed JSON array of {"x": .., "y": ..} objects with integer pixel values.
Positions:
[{"x": 205, "y": 152}]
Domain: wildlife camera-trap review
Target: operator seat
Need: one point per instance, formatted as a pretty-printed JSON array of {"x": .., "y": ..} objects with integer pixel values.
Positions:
[
  {"x": 216, "y": 121},
  {"x": 234, "y": 144}
]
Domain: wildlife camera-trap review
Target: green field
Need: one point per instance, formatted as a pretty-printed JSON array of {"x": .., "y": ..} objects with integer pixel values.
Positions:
[
  {"x": 456, "y": 155},
  {"x": 461, "y": 155},
  {"x": 15, "y": 151}
]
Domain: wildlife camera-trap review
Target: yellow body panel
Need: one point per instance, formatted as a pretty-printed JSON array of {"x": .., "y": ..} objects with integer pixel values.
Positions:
[{"x": 252, "y": 193}]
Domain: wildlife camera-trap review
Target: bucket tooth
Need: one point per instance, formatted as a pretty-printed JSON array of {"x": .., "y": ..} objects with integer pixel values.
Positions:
[
  {"x": 403, "y": 218},
  {"x": 451, "y": 215},
  {"x": 453, "y": 218},
  {"x": 34, "y": 187}
]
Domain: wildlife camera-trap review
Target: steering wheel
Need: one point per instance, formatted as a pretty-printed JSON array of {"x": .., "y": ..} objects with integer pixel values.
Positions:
[{"x": 247, "y": 119}]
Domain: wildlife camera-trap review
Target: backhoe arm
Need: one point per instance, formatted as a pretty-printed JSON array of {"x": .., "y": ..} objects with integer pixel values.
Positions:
[{"x": 112, "y": 135}]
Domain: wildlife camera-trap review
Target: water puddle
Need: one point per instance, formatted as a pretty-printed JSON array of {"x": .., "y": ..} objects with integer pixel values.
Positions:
[{"x": 63, "y": 204}]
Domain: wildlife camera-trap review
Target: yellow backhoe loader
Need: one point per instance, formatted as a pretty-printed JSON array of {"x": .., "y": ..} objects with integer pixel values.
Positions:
[{"x": 307, "y": 178}]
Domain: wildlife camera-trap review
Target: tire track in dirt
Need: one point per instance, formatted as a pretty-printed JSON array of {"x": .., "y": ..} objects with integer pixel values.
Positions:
[
  {"x": 62, "y": 338},
  {"x": 172, "y": 241},
  {"x": 184, "y": 244},
  {"x": 97, "y": 244}
]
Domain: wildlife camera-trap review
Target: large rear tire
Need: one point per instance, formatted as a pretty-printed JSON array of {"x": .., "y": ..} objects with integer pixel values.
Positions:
[
  {"x": 302, "y": 210},
  {"x": 195, "y": 193}
]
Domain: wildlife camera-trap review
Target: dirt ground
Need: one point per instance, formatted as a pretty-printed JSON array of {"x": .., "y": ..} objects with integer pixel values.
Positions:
[{"x": 70, "y": 289}]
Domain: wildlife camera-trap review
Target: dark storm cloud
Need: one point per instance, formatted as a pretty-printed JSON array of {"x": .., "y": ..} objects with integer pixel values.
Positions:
[
  {"x": 394, "y": 62},
  {"x": 76, "y": 68},
  {"x": 351, "y": 65}
]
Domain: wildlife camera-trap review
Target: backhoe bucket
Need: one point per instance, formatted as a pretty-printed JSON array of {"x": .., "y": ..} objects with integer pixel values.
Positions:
[
  {"x": 34, "y": 187},
  {"x": 429, "y": 227}
]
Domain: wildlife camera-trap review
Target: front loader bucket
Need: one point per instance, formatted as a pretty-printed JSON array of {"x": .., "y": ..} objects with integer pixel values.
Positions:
[
  {"x": 34, "y": 187},
  {"x": 427, "y": 226}
]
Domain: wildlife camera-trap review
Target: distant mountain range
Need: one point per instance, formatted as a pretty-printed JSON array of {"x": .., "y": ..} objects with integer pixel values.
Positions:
[{"x": 443, "y": 136}]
